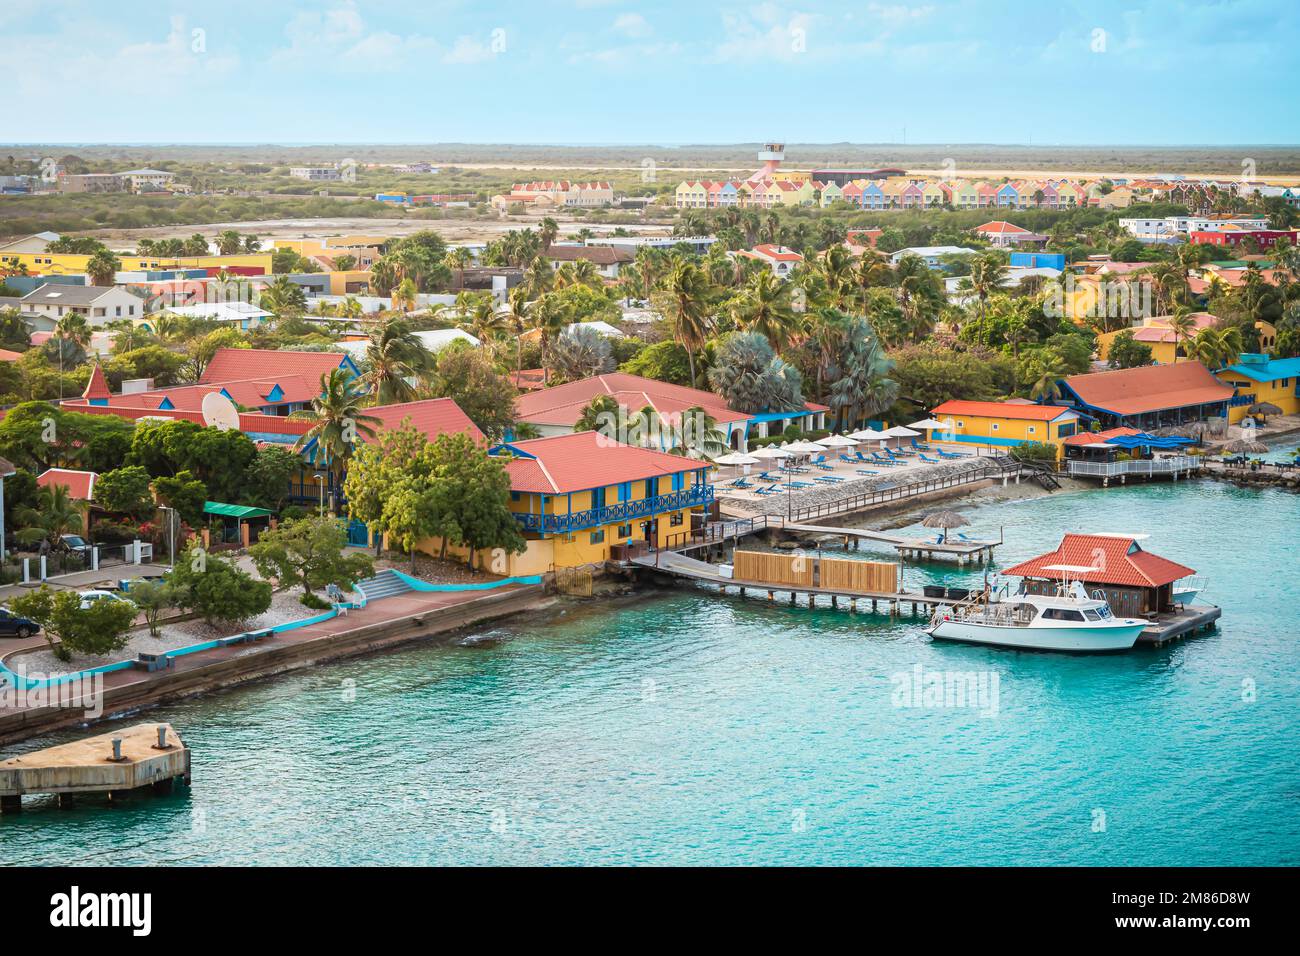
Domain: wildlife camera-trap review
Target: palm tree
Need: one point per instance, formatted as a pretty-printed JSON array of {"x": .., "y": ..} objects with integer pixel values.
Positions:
[
  {"x": 56, "y": 514},
  {"x": 549, "y": 230},
  {"x": 864, "y": 389},
  {"x": 586, "y": 273},
  {"x": 338, "y": 423},
  {"x": 229, "y": 242},
  {"x": 547, "y": 316},
  {"x": 404, "y": 295},
  {"x": 1184, "y": 327},
  {"x": 516, "y": 317},
  {"x": 103, "y": 267},
  {"x": 484, "y": 321},
  {"x": 1048, "y": 384},
  {"x": 539, "y": 277},
  {"x": 685, "y": 303},
  {"x": 765, "y": 306},
  {"x": 394, "y": 356},
  {"x": 987, "y": 273},
  {"x": 74, "y": 328},
  {"x": 350, "y": 308},
  {"x": 579, "y": 353},
  {"x": 283, "y": 297},
  {"x": 457, "y": 259}
]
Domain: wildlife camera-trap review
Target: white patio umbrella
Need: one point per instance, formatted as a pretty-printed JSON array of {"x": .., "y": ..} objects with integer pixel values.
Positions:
[
  {"x": 770, "y": 451},
  {"x": 836, "y": 441},
  {"x": 928, "y": 424},
  {"x": 868, "y": 434},
  {"x": 736, "y": 458},
  {"x": 898, "y": 431},
  {"x": 802, "y": 447}
]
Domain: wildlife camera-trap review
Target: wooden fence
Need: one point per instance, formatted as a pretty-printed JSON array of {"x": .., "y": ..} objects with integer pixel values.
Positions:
[
  {"x": 765, "y": 567},
  {"x": 846, "y": 574}
]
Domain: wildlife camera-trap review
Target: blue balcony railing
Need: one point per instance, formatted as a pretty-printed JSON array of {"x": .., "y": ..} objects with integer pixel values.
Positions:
[{"x": 616, "y": 514}]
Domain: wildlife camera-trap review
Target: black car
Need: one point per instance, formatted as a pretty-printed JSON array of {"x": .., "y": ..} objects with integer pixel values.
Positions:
[{"x": 11, "y": 625}]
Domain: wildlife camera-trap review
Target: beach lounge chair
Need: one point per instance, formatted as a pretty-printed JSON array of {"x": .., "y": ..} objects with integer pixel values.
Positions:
[
  {"x": 766, "y": 476},
  {"x": 828, "y": 479},
  {"x": 931, "y": 461},
  {"x": 921, "y": 446},
  {"x": 850, "y": 460},
  {"x": 824, "y": 467},
  {"x": 867, "y": 471},
  {"x": 862, "y": 457},
  {"x": 820, "y": 459}
]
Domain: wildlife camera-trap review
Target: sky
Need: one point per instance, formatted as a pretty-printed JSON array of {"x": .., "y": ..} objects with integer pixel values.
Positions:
[{"x": 1122, "y": 72}]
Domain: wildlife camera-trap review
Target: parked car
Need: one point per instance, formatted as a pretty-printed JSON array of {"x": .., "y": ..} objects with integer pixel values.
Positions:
[
  {"x": 13, "y": 626},
  {"x": 76, "y": 544},
  {"x": 90, "y": 597}
]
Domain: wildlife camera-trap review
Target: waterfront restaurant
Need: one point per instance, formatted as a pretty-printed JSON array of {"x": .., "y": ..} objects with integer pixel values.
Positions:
[
  {"x": 1135, "y": 582},
  {"x": 1147, "y": 398},
  {"x": 579, "y": 497}
]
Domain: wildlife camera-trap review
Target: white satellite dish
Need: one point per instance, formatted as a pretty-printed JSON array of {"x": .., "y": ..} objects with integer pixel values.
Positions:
[{"x": 220, "y": 412}]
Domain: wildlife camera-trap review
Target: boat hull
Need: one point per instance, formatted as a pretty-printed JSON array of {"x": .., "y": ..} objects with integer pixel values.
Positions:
[{"x": 1117, "y": 637}]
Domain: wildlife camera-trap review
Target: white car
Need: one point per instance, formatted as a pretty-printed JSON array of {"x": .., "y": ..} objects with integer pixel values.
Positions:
[{"x": 90, "y": 597}]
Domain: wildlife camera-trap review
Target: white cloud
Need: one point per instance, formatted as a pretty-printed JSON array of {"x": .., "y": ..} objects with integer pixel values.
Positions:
[{"x": 632, "y": 25}]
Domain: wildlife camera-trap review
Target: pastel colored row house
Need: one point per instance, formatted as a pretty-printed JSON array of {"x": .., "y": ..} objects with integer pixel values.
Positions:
[{"x": 1002, "y": 425}]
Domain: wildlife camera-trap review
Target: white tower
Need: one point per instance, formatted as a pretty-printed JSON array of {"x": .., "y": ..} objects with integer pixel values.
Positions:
[{"x": 771, "y": 156}]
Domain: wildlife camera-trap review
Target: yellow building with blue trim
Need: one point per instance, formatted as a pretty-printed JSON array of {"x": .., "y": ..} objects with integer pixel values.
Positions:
[
  {"x": 578, "y": 496},
  {"x": 1004, "y": 425},
  {"x": 1259, "y": 378}
]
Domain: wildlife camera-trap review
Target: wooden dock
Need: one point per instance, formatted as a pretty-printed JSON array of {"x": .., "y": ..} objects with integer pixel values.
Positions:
[
  {"x": 907, "y": 547},
  {"x": 146, "y": 757},
  {"x": 1170, "y": 627},
  {"x": 681, "y": 566}
]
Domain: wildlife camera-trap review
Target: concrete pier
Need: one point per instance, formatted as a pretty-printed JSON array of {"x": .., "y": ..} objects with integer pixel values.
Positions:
[{"x": 146, "y": 757}]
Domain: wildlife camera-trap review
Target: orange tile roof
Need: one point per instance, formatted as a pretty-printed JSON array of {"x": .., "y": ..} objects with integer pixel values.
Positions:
[
  {"x": 585, "y": 460},
  {"x": 432, "y": 416},
  {"x": 563, "y": 404},
  {"x": 1017, "y": 410},
  {"x": 8, "y": 356},
  {"x": 80, "y": 484},
  {"x": 97, "y": 386},
  {"x": 1094, "y": 438},
  {"x": 1000, "y": 227},
  {"x": 1119, "y": 560},
  {"x": 237, "y": 365},
  {"x": 1150, "y": 388}
]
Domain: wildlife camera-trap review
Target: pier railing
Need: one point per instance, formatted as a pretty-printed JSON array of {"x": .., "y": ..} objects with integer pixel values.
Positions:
[
  {"x": 895, "y": 492},
  {"x": 715, "y": 532},
  {"x": 1174, "y": 465}
]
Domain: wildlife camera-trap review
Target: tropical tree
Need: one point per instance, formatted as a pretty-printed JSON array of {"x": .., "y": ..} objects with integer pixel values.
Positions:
[
  {"x": 580, "y": 352},
  {"x": 55, "y": 514},
  {"x": 684, "y": 302},
  {"x": 751, "y": 378},
  {"x": 1183, "y": 325},
  {"x": 987, "y": 273},
  {"x": 864, "y": 387},
  {"x": 103, "y": 267},
  {"x": 764, "y": 306},
  {"x": 395, "y": 358},
  {"x": 337, "y": 423},
  {"x": 229, "y": 242},
  {"x": 284, "y": 297}
]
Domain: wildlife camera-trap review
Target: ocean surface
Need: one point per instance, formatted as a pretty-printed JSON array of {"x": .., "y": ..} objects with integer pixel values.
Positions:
[{"x": 684, "y": 728}]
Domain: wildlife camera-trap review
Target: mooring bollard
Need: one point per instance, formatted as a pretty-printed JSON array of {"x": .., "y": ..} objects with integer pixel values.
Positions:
[
  {"x": 162, "y": 740},
  {"x": 117, "y": 750}
]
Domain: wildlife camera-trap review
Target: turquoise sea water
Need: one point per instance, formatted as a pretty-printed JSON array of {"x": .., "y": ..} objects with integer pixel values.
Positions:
[{"x": 683, "y": 728}]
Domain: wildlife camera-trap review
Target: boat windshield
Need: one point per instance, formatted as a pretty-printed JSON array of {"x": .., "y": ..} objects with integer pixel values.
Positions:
[
  {"x": 1091, "y": 614},
  {"x": 1061, "y": 614}
]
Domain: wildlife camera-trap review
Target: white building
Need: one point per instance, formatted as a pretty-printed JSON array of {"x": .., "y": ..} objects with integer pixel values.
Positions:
[
  {"x": 317, "y": 174},
  {"x": 99, "y": 304},
  {"x": 932, "y": 256},
  {"x": 147, "y": 179}
]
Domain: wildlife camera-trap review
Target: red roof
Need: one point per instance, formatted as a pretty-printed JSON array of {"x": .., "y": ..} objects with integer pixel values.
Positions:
[
  {"x": 1119, "y": 560},
  {"x": 80, "y": 484},
  {"x": 241, "y": 365},
  {"x": 585, "y": 460},
  {"x": 97, "y": 387},
  {"x": 1000, "y": 228},
  {"x": 1019, "y": 410},
  {"x": 1150, "y": 388},
  {"x": 8, "y": 356},
  {"x": 777, "y": 253},
  {"x": 529, "y": 379},
  {"x": 432, "y": 416},
  {"x": 563, "y": 404}
]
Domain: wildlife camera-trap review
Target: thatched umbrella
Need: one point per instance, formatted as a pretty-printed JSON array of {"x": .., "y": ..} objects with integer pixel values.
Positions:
[
  {"x": 944, "y": 520},
  {"x": 1245, "y": 446},
  {"x": 1264, "y": 409}
]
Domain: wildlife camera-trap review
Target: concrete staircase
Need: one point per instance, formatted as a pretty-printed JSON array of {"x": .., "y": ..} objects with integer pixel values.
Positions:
[{"x": 382, "y": 585}]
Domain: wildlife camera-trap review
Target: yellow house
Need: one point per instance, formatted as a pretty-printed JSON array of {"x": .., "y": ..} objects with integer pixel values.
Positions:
[
  {"x": 1156, "y": 333},
  {"x": 1258, "y": 378},
  {"x": 1002, "y": 425},
  {"x": 577, "y": 496},
  {"x": 933, "y": 194},
  {"x": 66, "y": 263}
]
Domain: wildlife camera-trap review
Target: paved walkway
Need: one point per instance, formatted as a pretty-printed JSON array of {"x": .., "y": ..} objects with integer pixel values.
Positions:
[{"x": 378, "y": 612}]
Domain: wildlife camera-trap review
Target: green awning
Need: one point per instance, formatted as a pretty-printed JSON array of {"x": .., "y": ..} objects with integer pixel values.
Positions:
[{"x": 234, "y": 511}]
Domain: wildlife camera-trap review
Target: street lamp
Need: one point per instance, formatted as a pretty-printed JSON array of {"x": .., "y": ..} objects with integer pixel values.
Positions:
[{"x": 320, "y": 483}]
